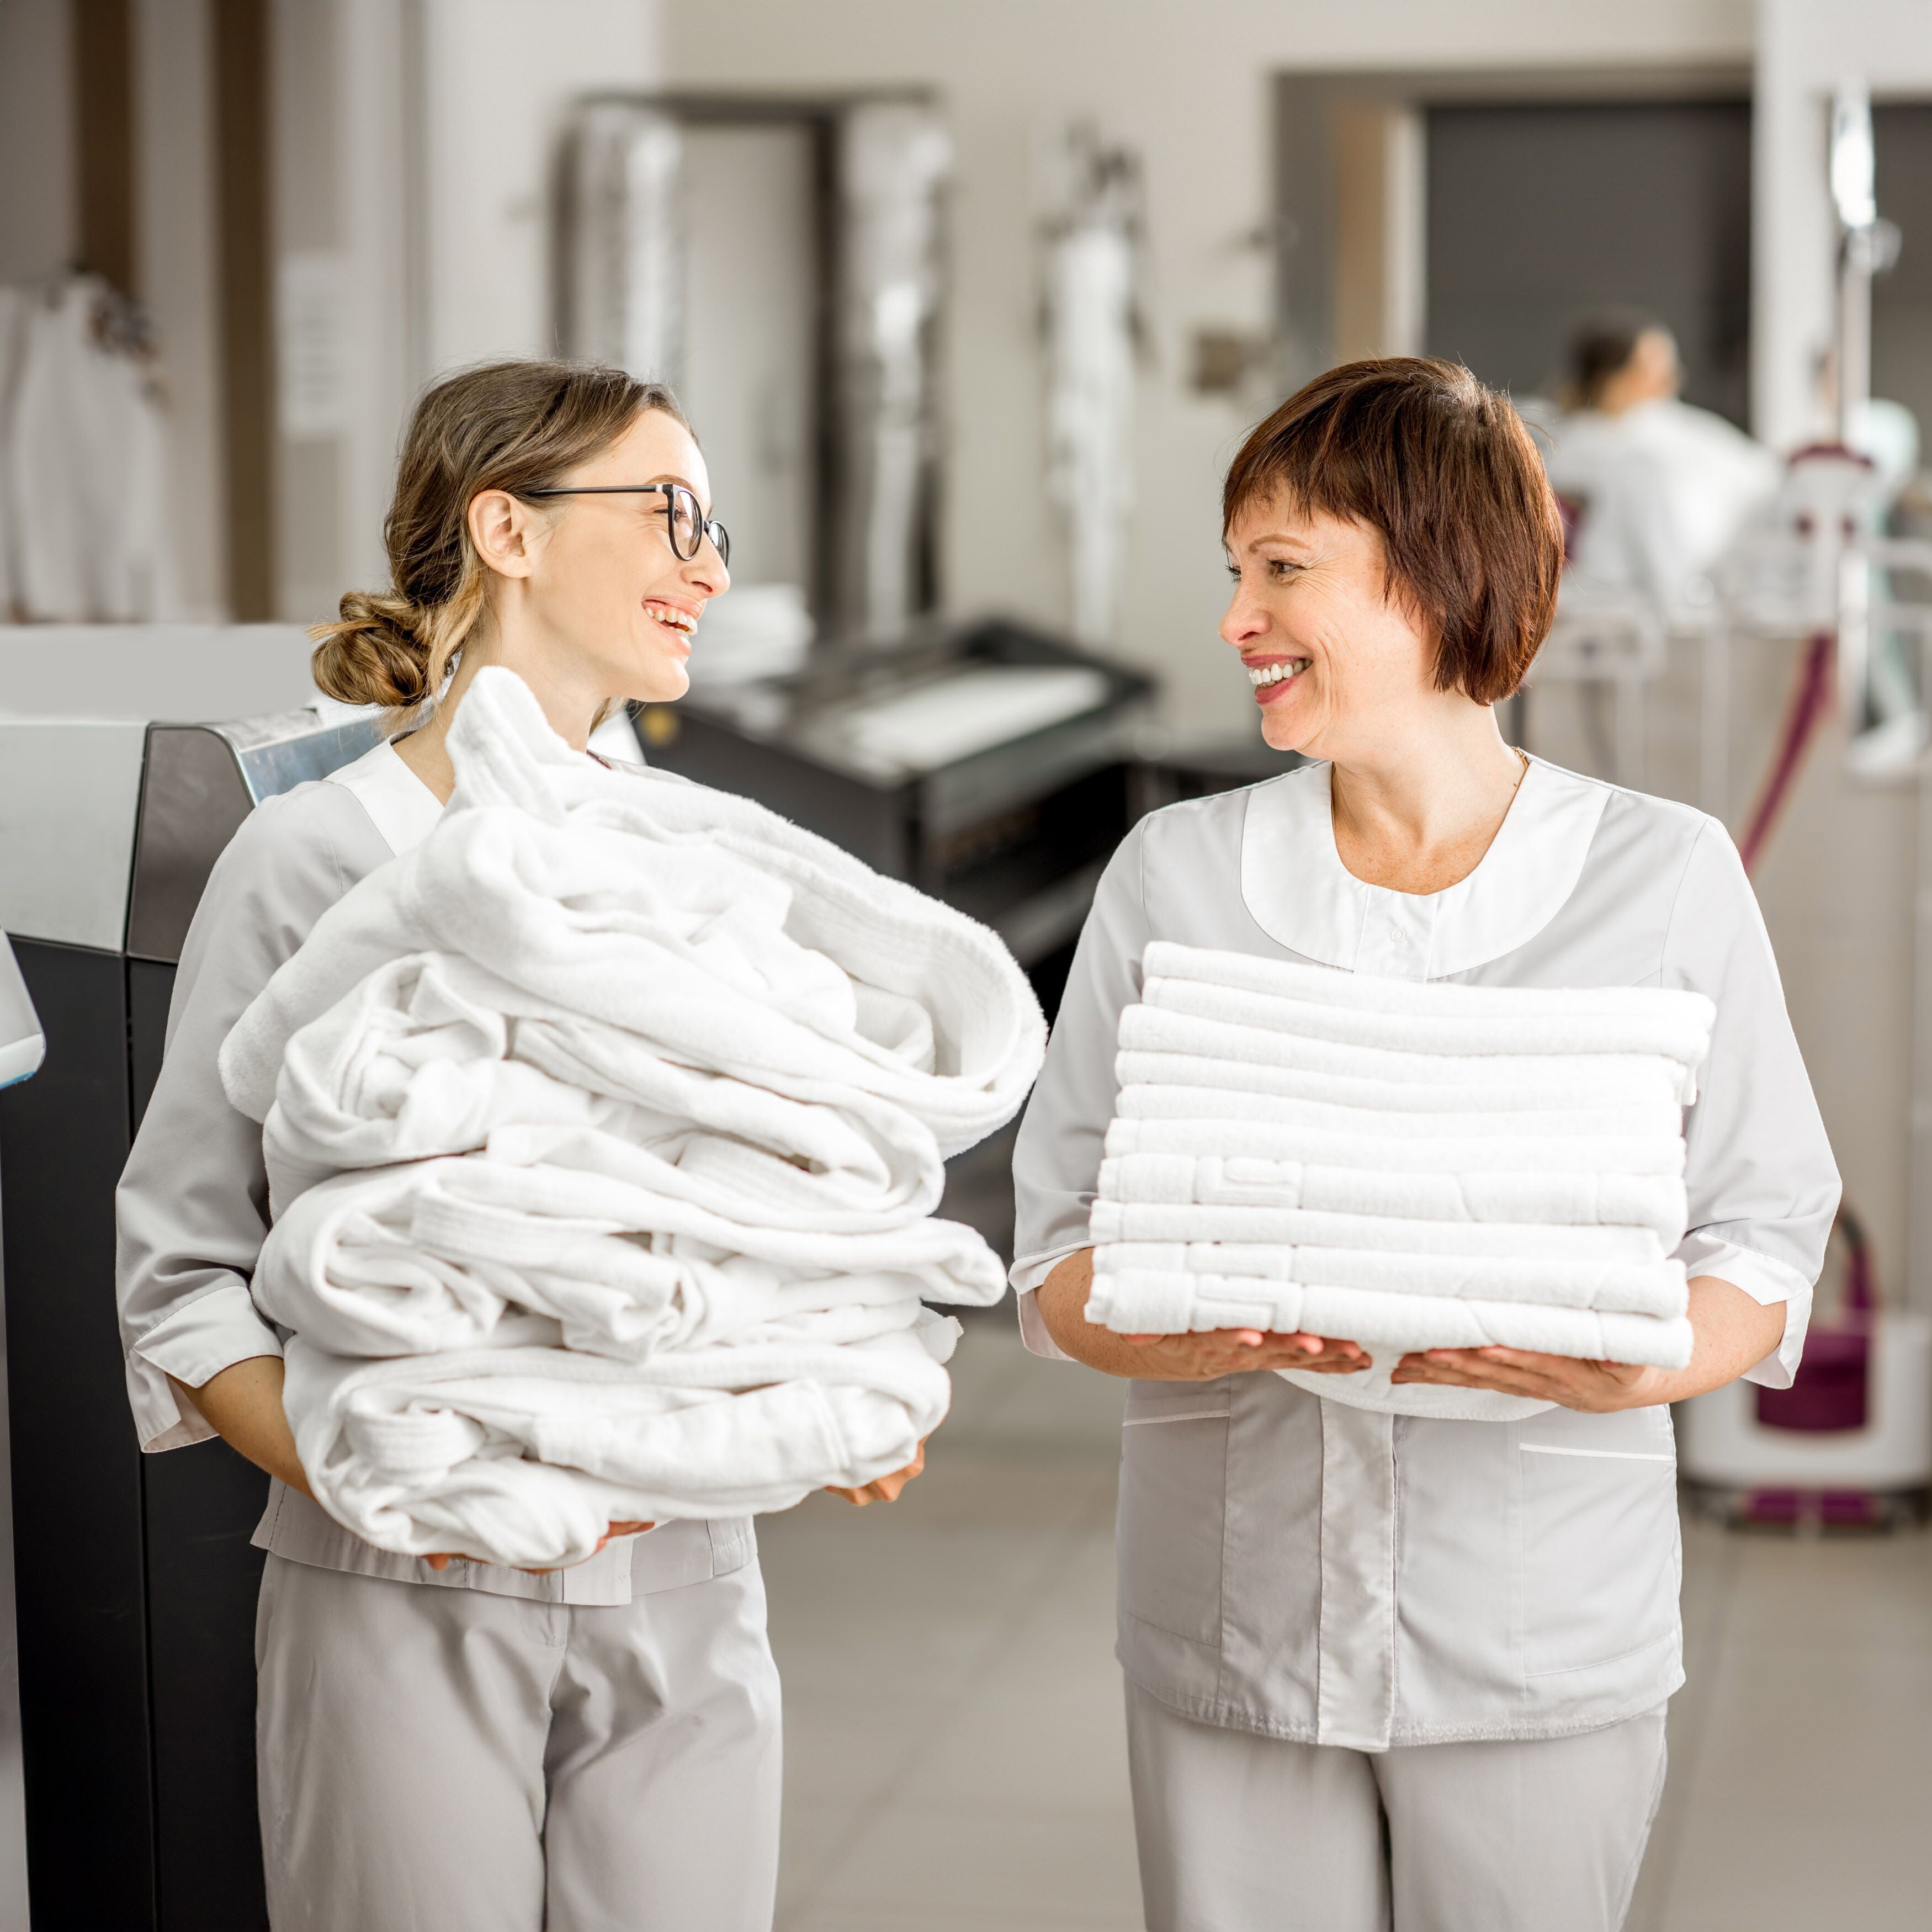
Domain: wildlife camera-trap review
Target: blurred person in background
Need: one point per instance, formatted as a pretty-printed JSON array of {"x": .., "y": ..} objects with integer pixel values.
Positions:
[{"x": 1653, "y": 489}]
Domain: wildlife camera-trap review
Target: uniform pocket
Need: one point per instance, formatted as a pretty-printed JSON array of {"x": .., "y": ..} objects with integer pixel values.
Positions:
[
  {"x": 1600, "y": 1548},
  {"x": 1174, "y": 1479}
]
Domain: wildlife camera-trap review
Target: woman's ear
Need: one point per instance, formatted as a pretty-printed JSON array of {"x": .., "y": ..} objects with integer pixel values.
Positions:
[{"x": 504, "y": 531}]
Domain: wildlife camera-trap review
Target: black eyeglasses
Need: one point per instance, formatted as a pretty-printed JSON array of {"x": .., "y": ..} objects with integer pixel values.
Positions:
[{"x": 689, "y": 526}]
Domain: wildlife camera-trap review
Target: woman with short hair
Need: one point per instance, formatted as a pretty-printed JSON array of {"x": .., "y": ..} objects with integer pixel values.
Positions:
[{"x": 1393, "y": 1668}]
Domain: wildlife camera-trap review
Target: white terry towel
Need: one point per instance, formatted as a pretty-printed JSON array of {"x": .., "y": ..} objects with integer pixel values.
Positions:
[
  {"x": 1380, "y": 1014},
  {"x": 1168, "y": 1303},
  {"x": 431, "y": 1055},
  {"x": 443, "y": 1254},
  {"x": 525, "y": 1455},
  {"x": 1653, "y": 1289},
  {"x": 1657, "y": 1087},
  {"x": 1406, "y": 1165},
  {"x": 603, "y": 1130},
  {"x": 727, "y": 938},
  {"x": 1153, "y": 1038},
  {"x": 1160, "y": 1120},
  {"x": 1656, "y": 1202}
]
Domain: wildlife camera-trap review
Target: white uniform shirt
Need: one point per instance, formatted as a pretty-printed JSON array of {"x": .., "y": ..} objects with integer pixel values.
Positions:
[{"x": 1310, "y": 1570}]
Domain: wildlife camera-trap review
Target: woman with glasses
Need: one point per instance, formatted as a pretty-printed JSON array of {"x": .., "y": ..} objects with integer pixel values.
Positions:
[
  {"x": 1402, "y": 1657},
  {"x": 441, "y": 1743}
]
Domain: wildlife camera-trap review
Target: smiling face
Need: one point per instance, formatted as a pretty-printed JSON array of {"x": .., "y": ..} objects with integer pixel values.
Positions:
[
  {"x": 591, "y": 599},
  {"x": 610, "y": 578},
  {"x": 1335, "y": 661}
]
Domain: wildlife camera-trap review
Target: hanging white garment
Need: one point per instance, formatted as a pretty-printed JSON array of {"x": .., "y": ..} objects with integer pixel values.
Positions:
[
  {"x": 1090, "y": 415},
  {"x": 86, "y": 484}
]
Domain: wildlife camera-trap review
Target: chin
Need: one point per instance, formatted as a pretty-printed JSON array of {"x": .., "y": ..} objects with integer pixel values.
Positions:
[
  {"x": 665, "y": 683},
  {"x": 1282, "y": 734}
]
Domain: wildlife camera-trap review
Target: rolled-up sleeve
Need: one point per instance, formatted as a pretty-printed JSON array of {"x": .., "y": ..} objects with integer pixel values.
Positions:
[
  {"x": 1763, "y": 1185},
  {"x": 191, "y": 1211},
  {"x": 1057, "y": 1156}
]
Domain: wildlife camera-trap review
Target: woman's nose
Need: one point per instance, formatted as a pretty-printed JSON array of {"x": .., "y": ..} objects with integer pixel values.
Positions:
[
  {"x": 1246, "y": 619},
  {"x": 705, "y": 572}
]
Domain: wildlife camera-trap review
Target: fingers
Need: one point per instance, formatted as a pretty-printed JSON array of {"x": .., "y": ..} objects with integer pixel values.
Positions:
[{"x": 440, "y": 1561}]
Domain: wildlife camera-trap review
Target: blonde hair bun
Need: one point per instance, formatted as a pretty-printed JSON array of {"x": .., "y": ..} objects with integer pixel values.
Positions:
[{"x": 375, "y": 655}]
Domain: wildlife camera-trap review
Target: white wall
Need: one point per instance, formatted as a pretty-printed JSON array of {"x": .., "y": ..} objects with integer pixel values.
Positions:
[
  {"x": 415, "y": 148},
  {"x": 1188, "y": 82}
]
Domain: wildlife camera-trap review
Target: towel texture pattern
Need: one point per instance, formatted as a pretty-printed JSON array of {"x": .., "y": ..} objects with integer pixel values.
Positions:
[
  {"x": 1406, "y": 1165},
  {"x": 604, "y": 1131}
]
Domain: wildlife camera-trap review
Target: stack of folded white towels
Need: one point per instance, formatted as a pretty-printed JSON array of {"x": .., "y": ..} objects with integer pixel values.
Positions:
[
  {"x": 1403, "y": 1164},
  {"x": 604, "y": 1131}
]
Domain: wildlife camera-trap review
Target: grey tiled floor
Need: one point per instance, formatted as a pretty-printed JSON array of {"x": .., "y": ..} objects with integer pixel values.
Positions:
[{"x": 955, "y": 1760}]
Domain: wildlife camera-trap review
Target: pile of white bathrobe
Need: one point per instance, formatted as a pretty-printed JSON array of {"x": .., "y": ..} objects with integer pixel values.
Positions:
[
  {"x": 604, "y": 1131},
  {"x": 1406, "y": 1165}
]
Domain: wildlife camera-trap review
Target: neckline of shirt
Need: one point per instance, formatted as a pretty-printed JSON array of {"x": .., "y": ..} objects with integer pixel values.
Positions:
[
  {"x": 404, "y": 810},
  {"x": 1301, "y": 894}
]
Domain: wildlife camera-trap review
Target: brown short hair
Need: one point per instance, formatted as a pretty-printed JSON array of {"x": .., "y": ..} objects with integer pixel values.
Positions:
[
  {"x": 515, "y": 426},
  {"x": 1444, "y": 469}
]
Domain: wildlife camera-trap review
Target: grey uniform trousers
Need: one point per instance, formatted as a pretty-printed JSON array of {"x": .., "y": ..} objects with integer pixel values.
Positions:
[
  {"x": 444, "y": 1760},
  {"x": 1240, "y": 1833}
]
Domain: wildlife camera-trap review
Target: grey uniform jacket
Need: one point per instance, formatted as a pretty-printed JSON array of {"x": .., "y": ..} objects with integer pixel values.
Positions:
[
  {"x": 192, "y": 1209},
  {"x": 1297, "y": 1567}
]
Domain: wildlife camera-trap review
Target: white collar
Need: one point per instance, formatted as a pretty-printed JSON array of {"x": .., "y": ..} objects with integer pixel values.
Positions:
[
  {"x": 1302, "y": 896},
  {"x": 403, "y": 808}
]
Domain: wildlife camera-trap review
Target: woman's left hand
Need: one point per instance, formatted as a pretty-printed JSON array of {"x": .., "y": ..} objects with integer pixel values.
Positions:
[
  {"x": 1596, "y": 1387},
  {"x": 886, "y": 1488}
]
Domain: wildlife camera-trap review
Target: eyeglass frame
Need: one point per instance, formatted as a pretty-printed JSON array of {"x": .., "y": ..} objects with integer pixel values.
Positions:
[{"x": 705, "y": 526}]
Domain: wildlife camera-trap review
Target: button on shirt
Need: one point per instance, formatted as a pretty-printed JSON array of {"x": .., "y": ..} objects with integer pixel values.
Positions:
[{"x": 1293, "y": 1564}]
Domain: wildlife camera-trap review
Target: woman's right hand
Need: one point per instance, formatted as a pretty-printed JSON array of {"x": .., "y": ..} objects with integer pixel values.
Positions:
[
  {"x": 443, "y": 1559},
  {"x": 1224, "y": 1351},
  {"x": 1062, "y": 1302}
]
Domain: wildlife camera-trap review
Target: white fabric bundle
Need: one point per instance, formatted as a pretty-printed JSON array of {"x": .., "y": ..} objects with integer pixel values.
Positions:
[
  {"x": 603, "y": 1130},
  {"x": 1404, "y": 1165}
]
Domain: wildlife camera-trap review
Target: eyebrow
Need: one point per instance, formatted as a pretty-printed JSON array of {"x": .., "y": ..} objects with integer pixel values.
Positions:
[{"x": 683, "y": 482}]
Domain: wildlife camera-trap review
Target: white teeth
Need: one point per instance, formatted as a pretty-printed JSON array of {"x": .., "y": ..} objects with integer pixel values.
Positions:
[
  {"x": 677, "y": 620},
  {"x": 1259, "y": 675}
]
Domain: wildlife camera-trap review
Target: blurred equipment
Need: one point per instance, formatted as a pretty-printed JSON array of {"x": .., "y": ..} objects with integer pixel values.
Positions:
[
  {"x": 22, "y": 1045},
  {"x": 135, "y": 1633},
  {"x": 85, "y": 536},
  {"x": 988, "y": 765},
  {"x": 1606, "y": 635},
  {"x": 1849, "y": 1445},
  {"x": 779, "y": 262},
  {"x": 760, "y": 630},
  {"x": 23, "y": 1048},
  {"x": 1093, "y": 335}
]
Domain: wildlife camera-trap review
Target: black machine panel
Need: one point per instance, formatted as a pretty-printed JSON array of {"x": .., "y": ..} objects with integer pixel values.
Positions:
[{"x": 78, "y": 1539}]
